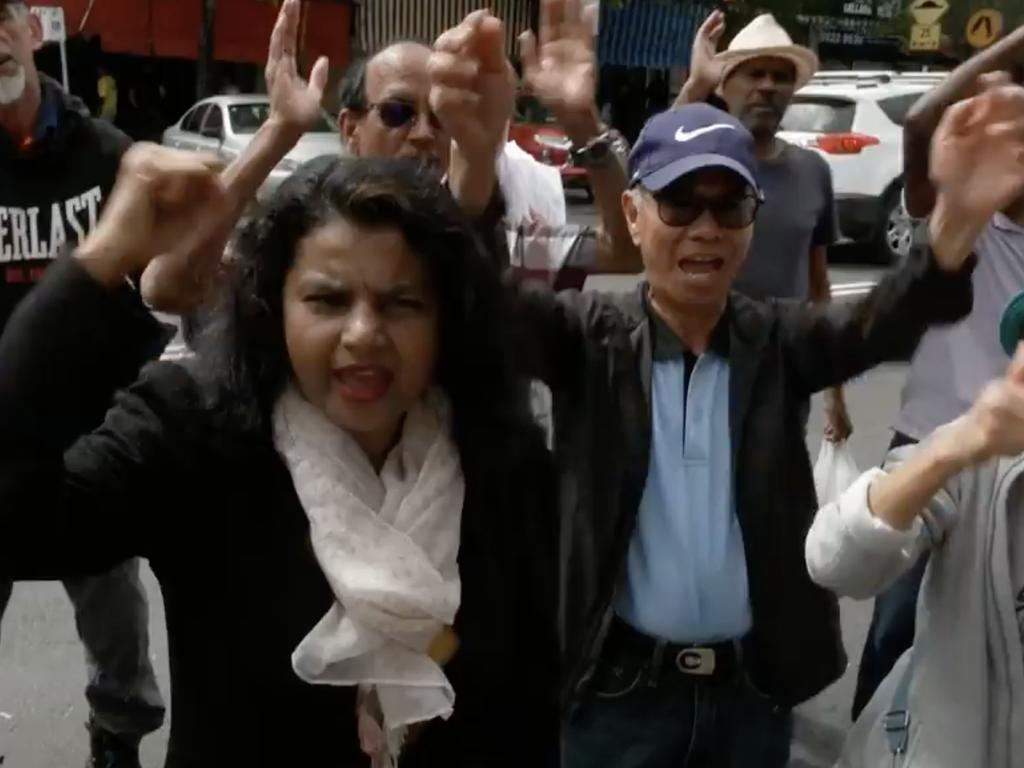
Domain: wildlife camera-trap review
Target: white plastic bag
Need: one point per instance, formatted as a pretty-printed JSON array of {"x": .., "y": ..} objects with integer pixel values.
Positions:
[{"x": 834, "y": 471}]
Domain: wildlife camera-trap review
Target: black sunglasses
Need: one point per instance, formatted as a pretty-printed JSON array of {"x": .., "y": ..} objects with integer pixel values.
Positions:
[
  {"x": 398, "y": 114},
  {"x": 678, "y": 210}
]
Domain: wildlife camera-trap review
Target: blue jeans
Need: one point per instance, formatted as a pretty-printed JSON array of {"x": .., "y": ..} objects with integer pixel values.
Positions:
[
  {"x": 112, "y": 617},
  {"x": 631, "y": 718}
]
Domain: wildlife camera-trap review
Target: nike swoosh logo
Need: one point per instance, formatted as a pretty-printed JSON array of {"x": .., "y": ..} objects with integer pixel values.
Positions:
[{"x": 683, "y": 135}]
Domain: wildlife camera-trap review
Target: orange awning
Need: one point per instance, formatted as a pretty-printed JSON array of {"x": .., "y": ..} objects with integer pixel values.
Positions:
[{"x": 241, "y": 27}]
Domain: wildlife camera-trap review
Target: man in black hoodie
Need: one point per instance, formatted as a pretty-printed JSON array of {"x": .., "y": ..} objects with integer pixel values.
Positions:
[{"x": 57, "y": 166}]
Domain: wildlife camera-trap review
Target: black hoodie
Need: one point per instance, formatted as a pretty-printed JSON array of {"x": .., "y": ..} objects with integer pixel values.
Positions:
[{"x": 51, "y": 192}]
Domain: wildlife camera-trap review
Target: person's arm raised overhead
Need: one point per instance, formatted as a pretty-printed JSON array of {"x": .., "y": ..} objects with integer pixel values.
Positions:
[
  {"x": 705, "y": 70},
  {"x": 977, "y": 165},
  {"x": 561, "y": 70},
  {"x": 181, "y": 280},
  {"x": 473, "y": 95},
  {"x": 923, "y": 118}
]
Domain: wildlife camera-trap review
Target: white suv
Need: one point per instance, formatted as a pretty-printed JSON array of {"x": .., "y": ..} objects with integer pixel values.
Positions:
[{"x": 855, "y": 120}]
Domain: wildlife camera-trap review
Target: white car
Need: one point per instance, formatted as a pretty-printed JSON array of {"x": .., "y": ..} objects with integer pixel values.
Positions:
[
  {"x": 855, "y": 120},
  {"x": 224, "y": 125}
]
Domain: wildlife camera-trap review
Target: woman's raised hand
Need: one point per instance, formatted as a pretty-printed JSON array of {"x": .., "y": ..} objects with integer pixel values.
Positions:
[{"x": 164, "y": 201}]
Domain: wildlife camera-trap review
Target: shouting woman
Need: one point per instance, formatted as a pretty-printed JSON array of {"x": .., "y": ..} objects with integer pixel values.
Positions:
[{"x": 331, "y": 494}]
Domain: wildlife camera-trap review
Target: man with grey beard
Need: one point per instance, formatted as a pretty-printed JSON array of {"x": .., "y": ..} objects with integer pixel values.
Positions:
[{"x": 57, "y": 166}]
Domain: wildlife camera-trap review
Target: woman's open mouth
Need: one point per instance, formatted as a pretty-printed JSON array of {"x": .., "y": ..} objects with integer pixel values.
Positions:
[{"x": 363, "y": 383}]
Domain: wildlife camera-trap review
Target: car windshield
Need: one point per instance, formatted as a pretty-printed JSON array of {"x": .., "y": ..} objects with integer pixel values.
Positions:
[
  {"x": 247, "y": 118},
  {"x": 819, "y": 115}
]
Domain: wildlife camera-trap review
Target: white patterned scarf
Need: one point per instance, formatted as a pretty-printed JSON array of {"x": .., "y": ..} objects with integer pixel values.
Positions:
[{"x": 388, "y": 545}]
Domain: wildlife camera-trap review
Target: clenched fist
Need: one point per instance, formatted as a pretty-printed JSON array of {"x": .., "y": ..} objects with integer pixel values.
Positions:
[
  {"x": 472, "y": 85},
  {"x": 164, "y": 200}
]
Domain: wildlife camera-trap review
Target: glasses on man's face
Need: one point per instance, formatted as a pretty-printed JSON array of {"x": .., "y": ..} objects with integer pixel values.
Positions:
[
  {"x": 398, "y": 114},
  {"x": 683, "y": 209}
]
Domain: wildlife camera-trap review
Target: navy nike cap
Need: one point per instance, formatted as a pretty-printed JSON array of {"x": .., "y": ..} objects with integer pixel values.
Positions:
[{"x": 690, "y": 138}]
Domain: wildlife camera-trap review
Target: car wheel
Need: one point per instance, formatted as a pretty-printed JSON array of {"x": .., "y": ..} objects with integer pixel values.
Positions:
[{"x": 896, "y": 229}]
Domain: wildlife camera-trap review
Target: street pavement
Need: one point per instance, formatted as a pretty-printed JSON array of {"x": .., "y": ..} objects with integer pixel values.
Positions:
[{"x": 42, "y": 676}]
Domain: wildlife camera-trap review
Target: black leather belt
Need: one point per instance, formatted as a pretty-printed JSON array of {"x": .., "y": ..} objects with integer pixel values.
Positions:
[{"x": 707, "y": 660}]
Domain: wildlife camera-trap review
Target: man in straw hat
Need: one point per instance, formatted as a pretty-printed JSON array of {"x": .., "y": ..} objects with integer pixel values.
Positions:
[{"x": 755, "y": 79}]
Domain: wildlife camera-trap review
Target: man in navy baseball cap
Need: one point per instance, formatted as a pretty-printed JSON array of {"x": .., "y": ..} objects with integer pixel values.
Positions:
[
  {"x": 691, "y": 208},
  {"x": 683, "y": 443},
  {"x": 685, "y": 140}
]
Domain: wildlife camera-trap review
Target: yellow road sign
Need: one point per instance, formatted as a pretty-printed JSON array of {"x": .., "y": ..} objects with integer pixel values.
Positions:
[
  {"x": 925, "y": 37},
  {"x": 984, "y": 28},
  {"x": 926, "y": 13}
]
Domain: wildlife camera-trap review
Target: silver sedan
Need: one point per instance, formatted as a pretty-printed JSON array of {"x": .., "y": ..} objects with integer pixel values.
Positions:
[{"x": 224, "y": 125}]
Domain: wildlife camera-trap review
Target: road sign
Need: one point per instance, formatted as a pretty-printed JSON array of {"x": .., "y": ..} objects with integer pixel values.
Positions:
[
  {"x": 984, "y": 28},
  {"x": 926, "y": 13},
  {"x": 925, "y": 37},
  {"x": 52, "y": 20},
  {"x": 858, "y": 8}
]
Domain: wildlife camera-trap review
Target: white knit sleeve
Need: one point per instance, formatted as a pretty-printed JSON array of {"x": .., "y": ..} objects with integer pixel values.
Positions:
[{"x": 854, "y": 554}]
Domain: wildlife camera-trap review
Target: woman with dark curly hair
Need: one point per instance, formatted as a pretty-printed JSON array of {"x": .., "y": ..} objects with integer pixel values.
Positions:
[{"x": 343, "y": 497}]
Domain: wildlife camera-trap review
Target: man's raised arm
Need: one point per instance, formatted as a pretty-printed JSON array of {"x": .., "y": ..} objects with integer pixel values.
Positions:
[
  {"x": 924, "y": 116},
  {"x": 180, "y": 282}
]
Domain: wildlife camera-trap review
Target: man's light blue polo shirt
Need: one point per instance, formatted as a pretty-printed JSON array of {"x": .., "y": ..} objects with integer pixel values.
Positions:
[{"x": 686, "y": 571}]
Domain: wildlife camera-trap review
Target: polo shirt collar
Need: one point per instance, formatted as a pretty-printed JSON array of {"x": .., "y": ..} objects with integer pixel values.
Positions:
[{"x": 667, "y": 346}]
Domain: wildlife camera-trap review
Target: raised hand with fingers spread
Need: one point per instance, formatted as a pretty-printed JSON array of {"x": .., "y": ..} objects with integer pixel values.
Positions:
[
  {"x": 561, "y": 68},
  {"x": 977, "y": 166},
  {"x": 183, "y": 278},
  {"x": 293, "y": 101},
  {"x": 977, "y": 153},
  {"x": 705, "y": 68}
]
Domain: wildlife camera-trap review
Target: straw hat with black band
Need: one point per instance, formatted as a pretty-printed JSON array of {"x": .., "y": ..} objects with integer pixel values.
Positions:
[{"x": 765, "y": 37}]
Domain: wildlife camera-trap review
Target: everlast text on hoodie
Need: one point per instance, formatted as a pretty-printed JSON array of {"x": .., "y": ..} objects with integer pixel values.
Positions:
[{"x": 52, "y": 189}]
